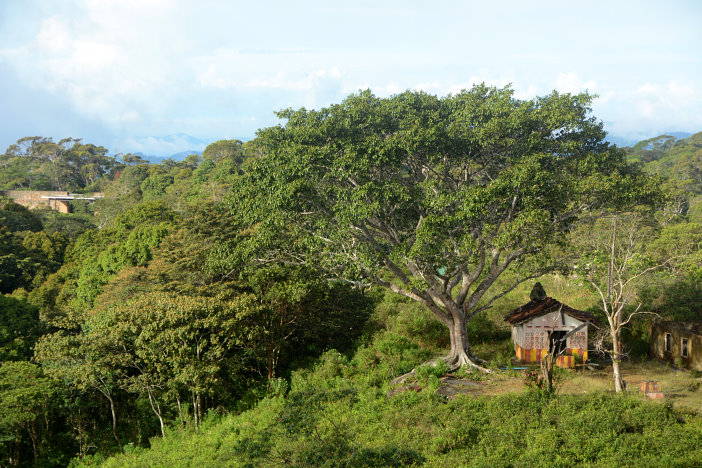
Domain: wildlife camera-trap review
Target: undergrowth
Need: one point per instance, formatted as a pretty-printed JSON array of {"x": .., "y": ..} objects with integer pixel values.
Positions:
[{"x": 337, "y": 414}]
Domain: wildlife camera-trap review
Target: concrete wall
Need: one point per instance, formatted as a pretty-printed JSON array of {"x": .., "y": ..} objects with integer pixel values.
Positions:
[
  {"x": 32, "y": 198},
  {"x": 62, "y": 206}
]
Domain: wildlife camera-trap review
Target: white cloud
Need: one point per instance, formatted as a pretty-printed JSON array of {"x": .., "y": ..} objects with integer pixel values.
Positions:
[
  {"x": 105, "y": 63},
  {"x": 384, "y": 89},
  {"x": 163, "y": 66},
  {"x": 53, "y": 36},
  {"x": 286, "y": 82},
  {"x": 527, "y": 92},
  {"x": 445, "y": 87},
  {"x": 572, "y": 83},
  {"x": 456, "y": 88},
  {"x": 605, "y": 97},
  {"x": 428, "y": 87},
  {"x": 674, "y": 102},
  {"x": 130, "y": 116},
  {"x": 654, "y": 108},
  {"x": 647, "y": 88}
]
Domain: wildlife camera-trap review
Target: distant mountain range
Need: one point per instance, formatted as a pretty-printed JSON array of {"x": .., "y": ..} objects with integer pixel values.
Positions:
[
  {"x": 176, "y": 156},
  {"x": 622, "y": 141},
  {"x": 158, "y": 149}
]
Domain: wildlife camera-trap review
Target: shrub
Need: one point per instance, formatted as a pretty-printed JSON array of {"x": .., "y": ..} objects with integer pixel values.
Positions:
[
  {"x": 533, "y": 379},
  {"x": 388, "y": 356}
]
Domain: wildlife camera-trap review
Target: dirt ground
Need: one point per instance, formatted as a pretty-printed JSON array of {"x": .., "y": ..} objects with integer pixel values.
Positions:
[{"x": 679, "y": 386}]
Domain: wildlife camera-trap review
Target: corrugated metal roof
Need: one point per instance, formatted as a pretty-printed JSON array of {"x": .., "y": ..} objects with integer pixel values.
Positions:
[{"x": 541, "y": 307}]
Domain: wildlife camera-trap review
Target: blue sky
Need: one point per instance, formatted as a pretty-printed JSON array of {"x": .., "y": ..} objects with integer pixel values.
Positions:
[{"x": 126, "y": 73}]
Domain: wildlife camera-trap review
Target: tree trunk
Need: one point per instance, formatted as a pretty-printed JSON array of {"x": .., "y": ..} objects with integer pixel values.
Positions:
[
  {"x": 107, "y": 394},
  {"x": 157, "y": 410},
  {"x": 196, "y": 421},
  {"x": 114, "y": 421},
  {"x": 33, "y": 437},
  {"x": 461, "y": 354},
  {"x": 547, "y": 364},
  {"x": 269, "y": 361},
  {"x": 619, "y": 385},
  {"x": 199, "y": 408},
  {"x": 180, "y": 413}
]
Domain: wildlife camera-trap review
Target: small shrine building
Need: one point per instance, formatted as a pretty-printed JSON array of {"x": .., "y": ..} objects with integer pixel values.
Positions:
[{"x": 545, "y": 324}]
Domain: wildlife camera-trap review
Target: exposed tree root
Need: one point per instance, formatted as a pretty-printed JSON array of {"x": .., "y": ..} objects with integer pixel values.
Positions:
[{"x": 454, "y": 363}]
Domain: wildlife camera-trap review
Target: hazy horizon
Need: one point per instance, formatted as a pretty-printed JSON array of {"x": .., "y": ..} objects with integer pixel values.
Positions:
[{"x": 127, "y": 74}]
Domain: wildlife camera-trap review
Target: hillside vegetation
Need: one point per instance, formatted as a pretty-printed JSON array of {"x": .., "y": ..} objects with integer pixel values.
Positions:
[
  {"x": 680, "y": 162},
  {"x": 250, "y": 306},
  {"x": 337, "y": 414}
]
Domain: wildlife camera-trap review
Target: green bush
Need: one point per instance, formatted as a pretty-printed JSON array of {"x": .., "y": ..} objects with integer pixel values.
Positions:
[
  {"x": 405, "y": 317},
  {"x": 335, "y": 416},
  {"x": 429, "y": 374},
  {"x": 388, "y": 356}
]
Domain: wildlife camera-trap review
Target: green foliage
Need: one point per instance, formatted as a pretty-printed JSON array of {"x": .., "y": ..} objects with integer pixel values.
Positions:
[
  {"x": 27, "y": 253},
  {"x": 19, "y": 329},
  {"x": 678, "y": 299},
  {"x": 429, "y": 374},
  {"x": 224, "y": 149},
  {"x": 680, "y": 246},
  {"x": 155, "y": 186},
  {"x": 330, "y": 420},
  {"x": 39, "y": 163},
  {"x": 169, "y": 306},
  {"x": 128, "y": 182},
  {"x": 483, "y": 330},
  {"x": 677, "y": 158},
  {"x": 96, "y": 257},
  {"x": 122, "y": 194},
  {"x": 533, "y": 380},
  {"x": 15, "y": 217},
  {"x": 389, "y": 356},
  {"x": 26, "y": 400},
  {"x": 408, "y": 318},
  {"x": 679, "y": 161},
  {"x": 148, "y": 314}
]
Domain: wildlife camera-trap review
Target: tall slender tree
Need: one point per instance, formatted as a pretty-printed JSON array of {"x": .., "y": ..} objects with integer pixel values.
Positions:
[{"x": 618, "y": 261}]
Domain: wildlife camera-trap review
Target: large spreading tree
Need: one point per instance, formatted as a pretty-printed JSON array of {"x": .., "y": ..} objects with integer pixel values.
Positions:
[{"x": 433, "y": 198}]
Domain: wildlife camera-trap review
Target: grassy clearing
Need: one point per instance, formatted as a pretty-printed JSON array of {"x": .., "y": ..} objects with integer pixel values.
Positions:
[{"x": 681, "y": 387}]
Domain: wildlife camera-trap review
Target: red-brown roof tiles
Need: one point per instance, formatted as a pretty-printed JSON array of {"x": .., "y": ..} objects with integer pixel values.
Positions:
[{"x": 540, "y": 307}]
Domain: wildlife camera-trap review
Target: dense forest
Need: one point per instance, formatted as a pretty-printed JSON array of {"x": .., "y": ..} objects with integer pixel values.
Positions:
[{"x": 251, "y": 306}]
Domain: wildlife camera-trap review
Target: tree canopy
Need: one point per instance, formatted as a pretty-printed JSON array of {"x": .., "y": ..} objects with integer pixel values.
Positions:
[{"x": 40, "y": 163}]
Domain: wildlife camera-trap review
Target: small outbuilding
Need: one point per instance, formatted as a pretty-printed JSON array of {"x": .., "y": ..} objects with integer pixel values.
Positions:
[
  {"x": 679, "y": 343},
  {"x": 545, "y": 324}
]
